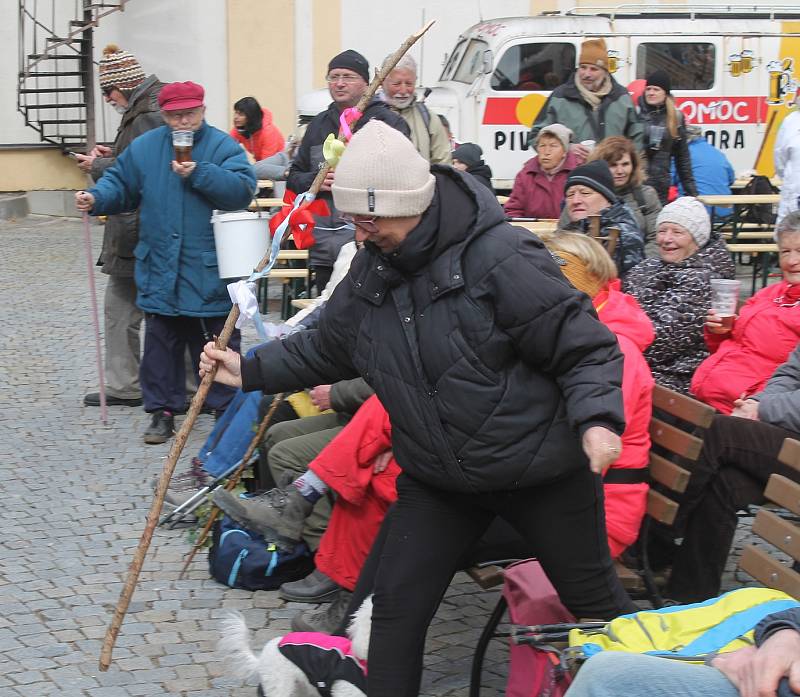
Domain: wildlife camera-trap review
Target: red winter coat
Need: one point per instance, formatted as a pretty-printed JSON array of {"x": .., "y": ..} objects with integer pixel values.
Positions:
[
  {"x": 626, "y": 503},
  {"x": 266, "y": 141},
  {"x": 535, "y": 195},
  {"x": 741, "y": 362},
  {"x": 346, "y": 466}
]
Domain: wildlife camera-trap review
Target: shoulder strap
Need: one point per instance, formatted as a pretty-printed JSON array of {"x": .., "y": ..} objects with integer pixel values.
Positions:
[{"x": 426, "y": 116}]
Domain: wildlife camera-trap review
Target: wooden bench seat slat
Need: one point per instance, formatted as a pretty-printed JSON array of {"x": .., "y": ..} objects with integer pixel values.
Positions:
[
  {"x": 778, "y": 532},
  {"x": 769, "y": 571},
  {"x": 661, "y": 508},
  {"x": 784, "y": 492},
  {"x": 302, "y": 303},
  {"x": 685, "y": 408},
  {"x": 790, "y": 453},
  {"x": 278, "y": 272},
  {"x": 675, "y": 440},
  {"x": 294, "y": 254},
  {"x": 669, "y": 474}
]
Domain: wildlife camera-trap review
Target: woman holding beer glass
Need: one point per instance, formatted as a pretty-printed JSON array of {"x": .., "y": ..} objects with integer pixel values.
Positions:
[
  {"x": 674, "y": 289},
  {"x": 665, "y": 137},
  {"x": 746, "y": 349}
]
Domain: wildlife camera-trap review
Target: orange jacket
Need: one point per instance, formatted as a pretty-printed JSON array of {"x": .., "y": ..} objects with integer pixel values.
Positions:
[{"x": 266, "y": 141}]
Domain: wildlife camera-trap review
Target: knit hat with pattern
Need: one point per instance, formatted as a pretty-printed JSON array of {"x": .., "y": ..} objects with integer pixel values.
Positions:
[
  {"x": 690, "y": 214},
  {"x": 382, "y": 174},
  {"x": 119, "y": 69}
]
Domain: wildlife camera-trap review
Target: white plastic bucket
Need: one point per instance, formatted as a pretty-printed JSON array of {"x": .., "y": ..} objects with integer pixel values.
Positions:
[{"x": 242, "y": 239}]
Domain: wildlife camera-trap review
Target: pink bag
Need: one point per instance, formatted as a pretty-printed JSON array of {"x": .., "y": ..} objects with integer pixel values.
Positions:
[{"x": 531, "y": 598}]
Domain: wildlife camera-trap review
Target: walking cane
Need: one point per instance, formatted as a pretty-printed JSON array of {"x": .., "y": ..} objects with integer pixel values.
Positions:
[
  {"x": 197, "y": 401},
  {"x": 101, "y": 375},
  {"x": 233, "y": 481}
]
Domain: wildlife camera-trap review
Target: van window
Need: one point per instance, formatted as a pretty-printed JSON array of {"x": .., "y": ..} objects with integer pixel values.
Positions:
[
  {"x": 453, "y": 60},
  {"x": 690, "y": 65},
  {"x": 472, "y": 62},
  {"x": 527, "y": 67}
]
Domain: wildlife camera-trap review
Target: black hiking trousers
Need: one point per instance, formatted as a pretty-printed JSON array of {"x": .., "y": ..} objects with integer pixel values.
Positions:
[{"x": 429, "y": 532}]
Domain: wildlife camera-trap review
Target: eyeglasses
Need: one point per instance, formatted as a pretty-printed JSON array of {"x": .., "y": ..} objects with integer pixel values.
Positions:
[
  {"x": 368, "y": 225},
  {"x": 343, "y": 78}
]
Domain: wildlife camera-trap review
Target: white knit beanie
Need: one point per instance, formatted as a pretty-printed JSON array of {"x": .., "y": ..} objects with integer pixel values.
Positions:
[
  {"x": 689, "y": 213},
  {"x": 382, "y": 174}
]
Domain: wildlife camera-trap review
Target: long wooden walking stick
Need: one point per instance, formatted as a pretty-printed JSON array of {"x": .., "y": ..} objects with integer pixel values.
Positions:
[
  {"x": 101, "y": 376},
  {"x": 233, "y": 480},
  {"x": 199, "y": 398}
]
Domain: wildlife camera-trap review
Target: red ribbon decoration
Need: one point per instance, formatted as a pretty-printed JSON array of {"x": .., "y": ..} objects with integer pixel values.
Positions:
[{"x": 301, "y": 219}]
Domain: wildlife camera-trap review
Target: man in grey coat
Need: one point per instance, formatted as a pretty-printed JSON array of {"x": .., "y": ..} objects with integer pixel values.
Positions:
[
  {"x": 739, "y": 455},
  {"x": 135, "y": 96}
]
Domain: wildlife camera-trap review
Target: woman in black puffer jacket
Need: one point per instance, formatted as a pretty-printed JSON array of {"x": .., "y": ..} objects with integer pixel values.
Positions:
[{"x": 665, "y": 137}]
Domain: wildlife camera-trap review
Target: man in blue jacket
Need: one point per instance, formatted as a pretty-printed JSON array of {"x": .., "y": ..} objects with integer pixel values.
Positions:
[{"x": 178, "y": 285}]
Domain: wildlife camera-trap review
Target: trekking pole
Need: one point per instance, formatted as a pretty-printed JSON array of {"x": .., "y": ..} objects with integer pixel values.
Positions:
[
  {"x": 101, "y": 376},
  {"x": 182, "y": 436},
  {"x": 197, "y": 498},
  {"x": 233, "y": 481}
]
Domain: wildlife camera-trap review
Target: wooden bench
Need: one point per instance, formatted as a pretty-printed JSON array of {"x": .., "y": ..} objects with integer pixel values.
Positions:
[
  {"x": 777, "y": 531},
  {"x": 761, "y": 251},
  {"x": 669, "y": 440}
]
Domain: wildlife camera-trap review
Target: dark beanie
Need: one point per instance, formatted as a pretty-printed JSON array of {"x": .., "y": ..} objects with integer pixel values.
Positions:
[
  {"x": 660, "y": 78},
  {"x": 596, "y": 175},
  {"x": 468, "y": 153},
  {"x": 351, "y": 60}
]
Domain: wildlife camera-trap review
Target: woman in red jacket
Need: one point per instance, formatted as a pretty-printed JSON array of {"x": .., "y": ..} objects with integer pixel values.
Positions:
[
  {"x": 539, "y": 187},
  {"x": 764, "y": 334},
  {"x": 254, "y": 129},
  {"x": 589, "y": 268}
]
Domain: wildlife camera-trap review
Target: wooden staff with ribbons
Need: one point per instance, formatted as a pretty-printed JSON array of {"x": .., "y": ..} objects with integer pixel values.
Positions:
[{"x": 221, "y": 342}]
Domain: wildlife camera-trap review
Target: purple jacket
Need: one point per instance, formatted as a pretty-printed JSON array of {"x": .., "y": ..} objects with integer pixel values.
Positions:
[{"x": 537, "y": 196}]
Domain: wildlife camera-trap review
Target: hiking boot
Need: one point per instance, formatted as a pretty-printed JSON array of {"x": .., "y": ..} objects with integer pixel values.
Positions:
[
  {"x": 93, "y": 400},
  {"x": 326, "y": 619},
  {"x": 161, "y": 428},
  {"x": 186, "y": 484},
  {"x": 273, "y": 514},
  {"x": 314, "y": 588}
]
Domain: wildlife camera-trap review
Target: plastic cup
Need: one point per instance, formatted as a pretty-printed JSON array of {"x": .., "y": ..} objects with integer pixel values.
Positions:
[
  {"x": 724, "y": 300},
  {"x": 182, "y": 142},
  {"x": 589, "y": 144}
]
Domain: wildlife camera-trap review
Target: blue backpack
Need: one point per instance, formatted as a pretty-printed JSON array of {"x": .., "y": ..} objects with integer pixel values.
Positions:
[{"x": 239, "y": 558}]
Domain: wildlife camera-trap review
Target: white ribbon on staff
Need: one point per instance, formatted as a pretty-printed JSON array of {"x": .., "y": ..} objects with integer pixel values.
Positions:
[{"x": 243, "y": 294}]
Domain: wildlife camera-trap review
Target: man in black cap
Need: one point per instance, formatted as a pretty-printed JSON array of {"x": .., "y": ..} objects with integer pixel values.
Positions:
[
  {"x": 348, "y": 78},
  {"x": 589, "y": 191}
]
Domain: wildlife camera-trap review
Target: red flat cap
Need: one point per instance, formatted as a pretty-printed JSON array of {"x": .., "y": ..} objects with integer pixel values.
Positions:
[{"x": 180, "y": 95}]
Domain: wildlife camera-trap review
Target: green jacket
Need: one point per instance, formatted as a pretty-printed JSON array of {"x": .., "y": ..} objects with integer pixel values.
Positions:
[{"x": 615, "y": 117}]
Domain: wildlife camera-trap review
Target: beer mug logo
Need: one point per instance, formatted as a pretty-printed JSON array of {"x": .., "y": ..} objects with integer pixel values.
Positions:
[
  {"x": 735, "y": 64},
  {"x": 780, "y": 78},
  {"x": 747, "y": 61},
  {"x": 613, "y": 61}
]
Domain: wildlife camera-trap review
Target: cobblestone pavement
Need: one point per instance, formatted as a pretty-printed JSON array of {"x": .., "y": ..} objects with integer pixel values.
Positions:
[{"x": 75, "y": 495}]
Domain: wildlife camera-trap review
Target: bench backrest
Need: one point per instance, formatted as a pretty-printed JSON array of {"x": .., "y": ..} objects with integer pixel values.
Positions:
[
  {"x": 777, "y": 531},
  {"x": 675, "y": 439}
]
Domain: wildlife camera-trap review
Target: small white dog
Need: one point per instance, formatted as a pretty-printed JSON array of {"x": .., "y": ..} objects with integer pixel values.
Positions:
[{"x": 303, "y": 664}]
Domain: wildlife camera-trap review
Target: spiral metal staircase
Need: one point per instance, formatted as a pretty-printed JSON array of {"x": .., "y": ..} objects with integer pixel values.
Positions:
[{"x": 55, "y": 92}]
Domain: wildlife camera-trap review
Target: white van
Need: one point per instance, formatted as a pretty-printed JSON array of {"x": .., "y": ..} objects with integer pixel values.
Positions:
[{"x": 732, "y": 70}]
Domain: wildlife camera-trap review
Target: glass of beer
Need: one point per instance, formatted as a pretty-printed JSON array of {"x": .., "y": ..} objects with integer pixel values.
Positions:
[
  {"x": 747, "y": 60},
  {"x": 735, "y": 64},
  {"x": 613, "y": 61},
  {"x": 182, "y": 142},
  {"x": 724, "y": 301},
  {"x": 775, "y": 71}
]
